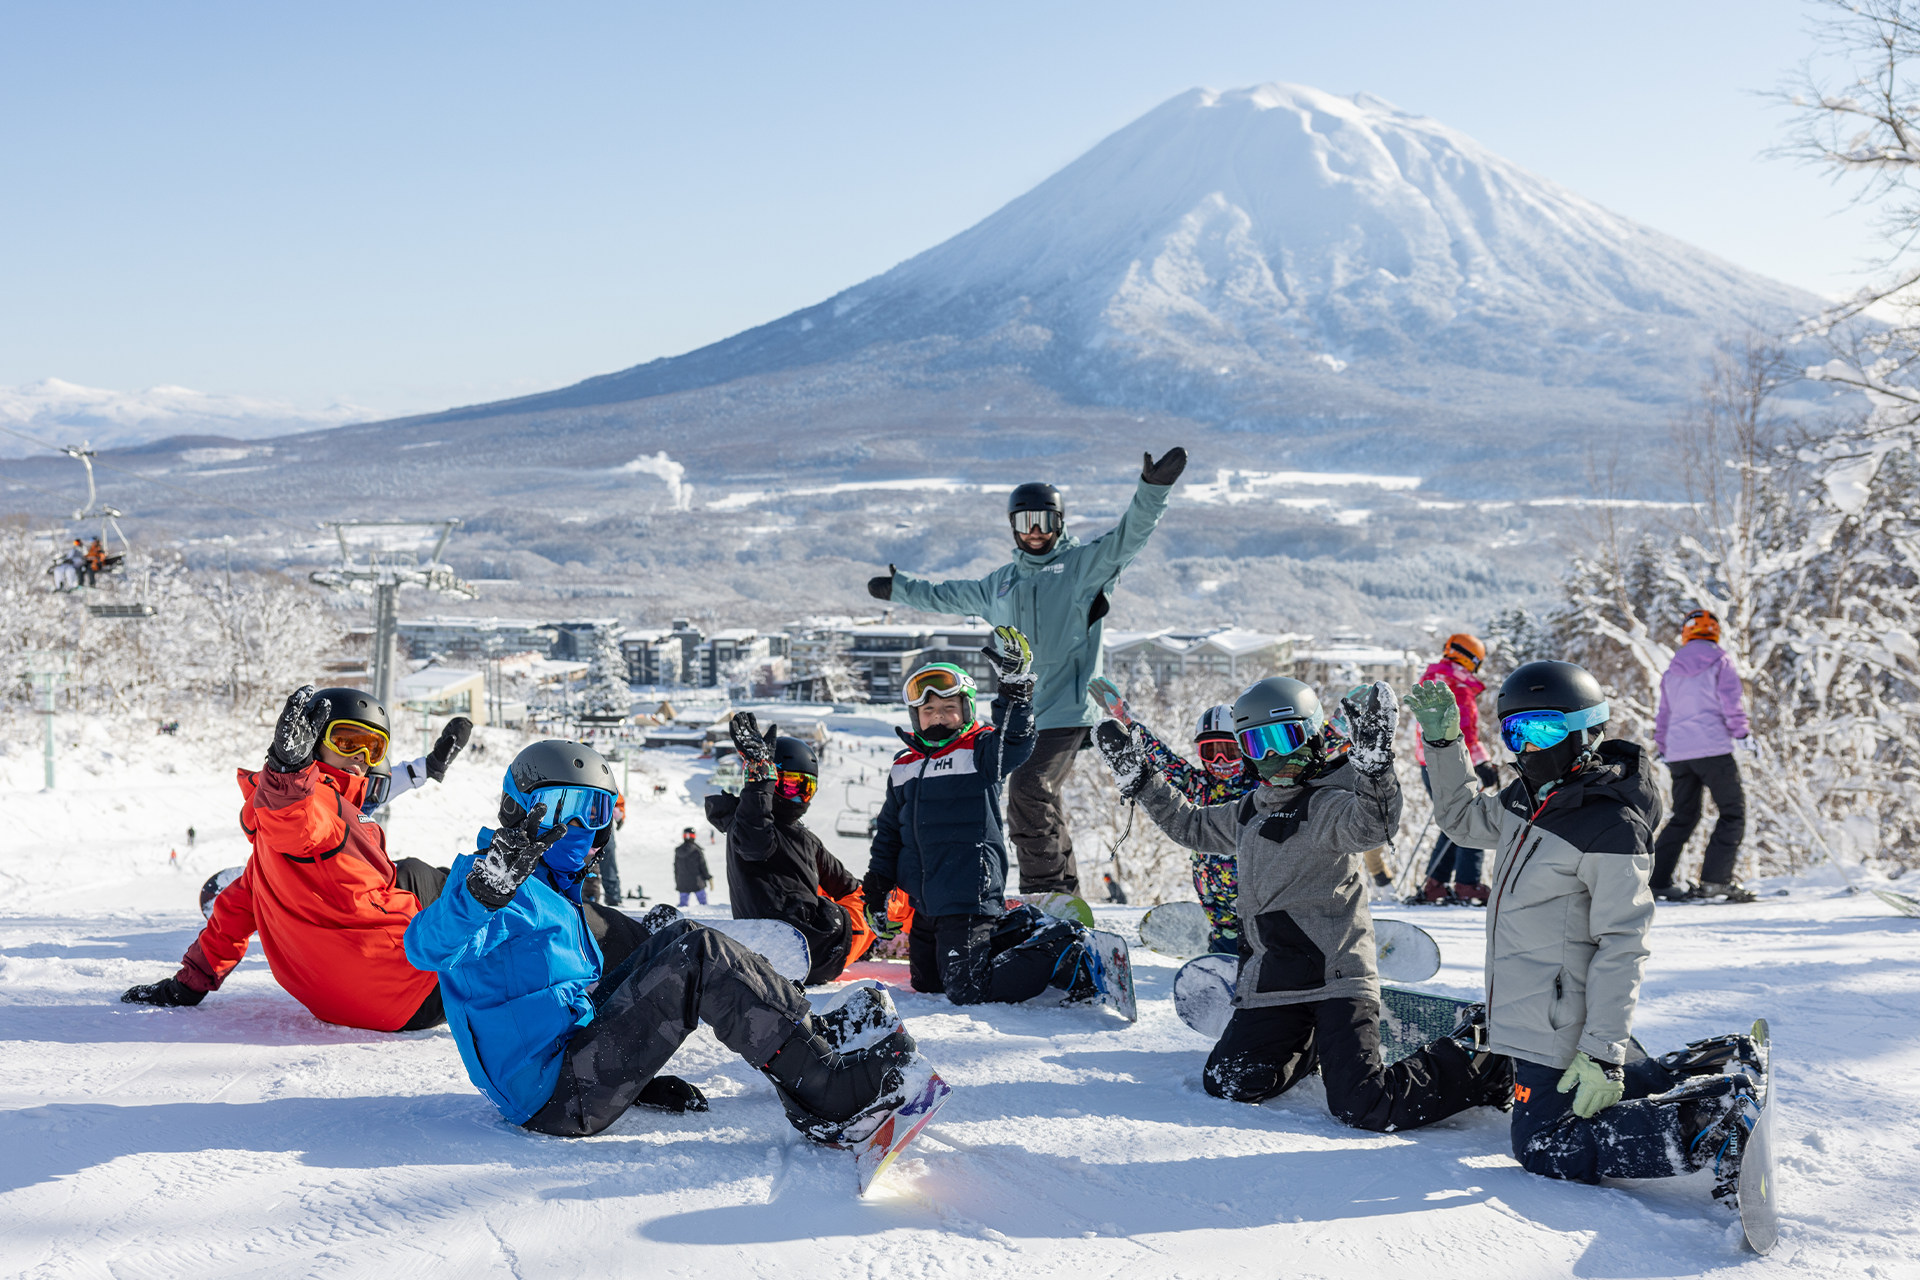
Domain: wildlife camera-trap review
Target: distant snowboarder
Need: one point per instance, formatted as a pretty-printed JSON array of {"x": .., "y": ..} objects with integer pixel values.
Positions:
[
  {"x": 1701, "y": 722},
  {"x": 690, "y": 874}
]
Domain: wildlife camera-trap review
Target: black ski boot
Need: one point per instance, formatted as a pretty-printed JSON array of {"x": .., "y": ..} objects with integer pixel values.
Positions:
[
  {"x": 1674, "y": 893},
  {"x": 1383, "y": 880},
  {"x": 822, "y": 1090},
  {"x": 1492, "y": 1071},
  {"x": 856, "y": 1017},
  {"x": 1730, "y": 891},
  {"x": 1709, "y": 1056}
]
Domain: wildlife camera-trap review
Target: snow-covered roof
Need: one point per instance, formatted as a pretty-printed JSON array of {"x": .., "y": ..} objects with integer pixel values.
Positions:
[{"x": 430, "y": 680}]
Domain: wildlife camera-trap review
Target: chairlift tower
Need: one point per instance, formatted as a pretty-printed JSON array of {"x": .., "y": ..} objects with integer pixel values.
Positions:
[
  {"x": 383, "y": 572},
  {"x": 47, "y": 669}
]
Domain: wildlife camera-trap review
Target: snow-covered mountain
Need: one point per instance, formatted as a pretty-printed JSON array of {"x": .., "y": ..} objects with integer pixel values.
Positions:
[{"x": 63, "y": 412}]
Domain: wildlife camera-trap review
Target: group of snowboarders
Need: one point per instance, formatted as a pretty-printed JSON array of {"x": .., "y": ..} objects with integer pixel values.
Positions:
[{"x": 566, "y": 1011}]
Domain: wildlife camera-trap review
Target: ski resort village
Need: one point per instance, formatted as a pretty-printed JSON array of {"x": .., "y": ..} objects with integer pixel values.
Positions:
[{"x": 1111, "y": 643}]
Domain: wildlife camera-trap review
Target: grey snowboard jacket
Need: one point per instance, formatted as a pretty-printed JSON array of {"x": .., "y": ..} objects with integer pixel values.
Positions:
[
  {"x": 1305, "y": 931},
  {"x": 1567, "y": 922}
]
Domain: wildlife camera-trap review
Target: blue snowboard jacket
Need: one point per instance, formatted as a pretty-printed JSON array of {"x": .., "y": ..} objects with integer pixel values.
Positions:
[{"x": 515, "y": 982}]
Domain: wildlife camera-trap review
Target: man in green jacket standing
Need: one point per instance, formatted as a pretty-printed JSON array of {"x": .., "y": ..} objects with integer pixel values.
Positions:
[{"x": 1056, "y": 590}]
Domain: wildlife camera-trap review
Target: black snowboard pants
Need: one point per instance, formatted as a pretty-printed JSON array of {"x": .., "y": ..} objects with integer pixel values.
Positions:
[
  {"x": 678, "y": 976},
  {"x": 1037, "y": 813},
  {"x": 425, "y": 883},
  {"x": 1719, "y": 776},
  {"x": 1265, "y": 1051},
  {"x": 1639, "y": 1137},
  {"x": 991, "y": 959}
]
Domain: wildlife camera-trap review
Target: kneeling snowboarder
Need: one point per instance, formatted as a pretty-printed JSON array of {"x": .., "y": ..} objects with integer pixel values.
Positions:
[
  {"x": 1309, "y": 991},
  {"x": 561, "y": 1047}
]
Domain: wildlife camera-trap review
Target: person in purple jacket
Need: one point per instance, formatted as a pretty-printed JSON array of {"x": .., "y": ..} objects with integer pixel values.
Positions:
[{"x": 1699, "y": 726}]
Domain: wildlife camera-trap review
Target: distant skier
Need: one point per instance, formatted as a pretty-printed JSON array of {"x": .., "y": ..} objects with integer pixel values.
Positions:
[
  {"x": 776, "y": 867},
  {"x": 564, "y": 1043},
  {"x": 190, "y": 838},
  {"x": 690, "y": 874},
  {"x": 1454, "y": 873},
  {"x": 1308, "y": 991},
  {"x": 1056, "y": 590},
  {"x": 328, "y": 903},
  {"x": 387, "y": 781},
  {"x": 1566, "y": 935},
  {"x": 938, "y": 837},
  {"x": 1701, "y": 722}
]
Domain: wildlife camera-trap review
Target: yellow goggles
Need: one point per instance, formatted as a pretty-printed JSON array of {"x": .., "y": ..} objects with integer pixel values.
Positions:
[
  {"x": 351, "y": 738},
  {"x": 930, "y": 682}
]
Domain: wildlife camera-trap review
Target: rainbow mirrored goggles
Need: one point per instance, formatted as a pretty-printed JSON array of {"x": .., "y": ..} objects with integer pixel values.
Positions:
[
  {"x": 1278, "y": 738},
  {"x": 351, "y": 738},
  {"x": 791, "y": 784},
  {"x": 1547, "y": 728}
]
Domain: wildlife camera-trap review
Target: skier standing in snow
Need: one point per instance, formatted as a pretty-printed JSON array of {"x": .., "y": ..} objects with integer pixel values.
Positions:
[
  {"x": 1454, "y": 874},
  {"x": 1701, "y": 722},
  {"x": 938, "y": 837},
  {"x": 690, "y": 874},
  {"x": 1056, "y": 591},
  {"x": 777, "y": 868},
  {"x": 564, "y": 1044},
  {"x": 328, "y": 903},
  {"x": 1566, "y": 935},
  {"x": 1308, "y": 991}
]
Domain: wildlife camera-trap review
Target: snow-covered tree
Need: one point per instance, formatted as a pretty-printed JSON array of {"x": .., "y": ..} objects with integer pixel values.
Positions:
[{"x": 605, "y": 692}]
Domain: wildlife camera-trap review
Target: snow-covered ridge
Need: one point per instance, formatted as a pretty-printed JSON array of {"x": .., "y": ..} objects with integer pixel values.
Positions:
[{"x": 62, "y": 412}]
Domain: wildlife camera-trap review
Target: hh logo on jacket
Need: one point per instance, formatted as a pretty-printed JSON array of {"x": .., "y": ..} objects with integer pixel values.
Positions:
[{"x": 950, "y": 764}]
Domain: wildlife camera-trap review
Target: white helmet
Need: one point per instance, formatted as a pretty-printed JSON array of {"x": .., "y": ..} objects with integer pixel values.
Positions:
[{"x": 1215, "y": 722}]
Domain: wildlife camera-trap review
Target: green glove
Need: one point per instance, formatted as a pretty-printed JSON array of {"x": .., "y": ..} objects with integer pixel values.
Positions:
[
  {"x": 1432, "y": 704},
  {"x": 1595, "y": 1085}
]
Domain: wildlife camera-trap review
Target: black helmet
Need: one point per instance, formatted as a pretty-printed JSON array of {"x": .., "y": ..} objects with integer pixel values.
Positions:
[
  {"x": 551, "y": 764},
  {"x": 1276, "y": 698},
  {"x": 1035, "y": 496},
  {"x": 795, "y": 756},
  {"x": 357, "y": 705},
  {"x": 1549, "y": 686}
]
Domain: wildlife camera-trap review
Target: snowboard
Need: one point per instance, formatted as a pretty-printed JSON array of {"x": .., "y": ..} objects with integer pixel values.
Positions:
[
  {"x": 215, "y": 883},
  {"x": 1203, "y": 993},
  {"x": 1899, "y": 902},
  {"x": 1203, "y": 997},
  {"x": 859, "y": 1016},
  {"x": 1062, "y": 906},
  {"x": 779, "y": 943},
  {"x": 1407, "y": 953},
  {"x": 1754, "y": 1186},
  {"x": 1177, "y": 929},
  {"x": 1115, "y": 968}
]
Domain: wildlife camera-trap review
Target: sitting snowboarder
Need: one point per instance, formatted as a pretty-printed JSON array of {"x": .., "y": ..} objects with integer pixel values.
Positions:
[
  {"x": 1567, "y": 936},
  {"x": 776, "y": 868},
  {"x": 562, "y": 1047},
  {"x": 939, "y": 837},
  {"x": 1308, "y": 991}
]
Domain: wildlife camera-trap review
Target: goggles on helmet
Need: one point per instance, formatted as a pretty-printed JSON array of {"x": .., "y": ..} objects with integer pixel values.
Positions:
[
  {"x": 930, "y": 681},
  {"x": 351, "y": 738},
  {"x": 1546, "y": 728},
  {"x": 591, "y": 807},
  {"x": 1217, "y": 750},
  {"x": 790, "y": 784},
  {"x": 1037, "y": 521},
  {"x": 1279, "y": 738}
]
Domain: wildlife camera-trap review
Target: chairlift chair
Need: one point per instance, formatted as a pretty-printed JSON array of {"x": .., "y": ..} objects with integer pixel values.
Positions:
[{"x": 109, "y": 518}]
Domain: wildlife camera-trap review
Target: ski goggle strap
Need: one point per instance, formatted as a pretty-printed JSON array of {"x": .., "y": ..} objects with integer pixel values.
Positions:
[
  {"x": 929, "y": 681},
  {"x": 351, "y": 738},
  {"x": 1216, "y": 749},
  {"x": 1547, "y": 728},
  {"x": 591, "y": 807},
  {"x": 1280, "y": 738},
  {"x": 790, "y": 784},
  {"x": 1042, "y": 521}
]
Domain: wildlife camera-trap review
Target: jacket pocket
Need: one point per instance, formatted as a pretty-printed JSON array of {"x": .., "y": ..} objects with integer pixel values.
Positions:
[
  {"x": 1290, "y": 960},
  {"x": 1569, "y": 1007}
]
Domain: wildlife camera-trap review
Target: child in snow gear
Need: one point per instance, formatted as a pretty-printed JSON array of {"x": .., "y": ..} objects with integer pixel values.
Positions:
[
  {"x": 1308, "y": 990},
  {"x": 690, "y": 874},
  {"x": 938, "y": 837},
  {"x": 562, "y": 1043},
  {"x": 1700, "y": 724},
  {"x": 1566, "y": 931},
  {"x": 1454, "y": 873},
  {"x": 328, "y": 903},
  {"x": 1056, "y": 591},
  {"x": 776, "y": 867},
  {"x": 389, "y": 780}
]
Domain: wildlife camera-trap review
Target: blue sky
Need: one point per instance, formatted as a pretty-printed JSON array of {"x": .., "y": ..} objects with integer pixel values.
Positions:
[{"x": 410, "y": 206}]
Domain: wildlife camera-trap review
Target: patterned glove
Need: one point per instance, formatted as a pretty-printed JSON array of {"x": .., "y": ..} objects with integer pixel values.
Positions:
[
  {"x": 754, "y": 749},
  {"x": 1108, "y": 696},
  {"x": 168, "y": 993},
  {"x": 1126, "y": 755},
  {"x": 1432, "y": 704},
  {"x": 1371, "y": 712},
  {"x": 452, "y": 741},
  {"x": 1595, "y": 1085},
  {"x": 498, "y": 873},
  {"x": 1012, "y": 658},
  {"x": 298, "y": 732}
]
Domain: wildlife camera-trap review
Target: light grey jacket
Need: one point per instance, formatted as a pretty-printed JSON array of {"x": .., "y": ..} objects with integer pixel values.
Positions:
[
  {"x": 1567, "y": 922},
  {"x": 1306, "y": 933}
]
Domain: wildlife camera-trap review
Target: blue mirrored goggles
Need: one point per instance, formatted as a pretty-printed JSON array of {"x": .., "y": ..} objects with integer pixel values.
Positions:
[
  {"x": 1279, "y": 738},
  {"x": 591, "y": 807},
  {"x": 1547, "y": 728}
]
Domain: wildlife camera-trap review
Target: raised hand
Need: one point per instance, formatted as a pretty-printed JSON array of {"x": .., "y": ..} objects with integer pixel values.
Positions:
[
  {"x": 1432, "y": 704},
  {"x": 1371, "y": 712},
  {"x": 298, "y": 731},
  {"x": 447, "y": 748},
  {"x": 1125, "y": 754},
  {"x": 1012, "y": 658},
  {"x": 1165, "y": 471},
  {"x": 1107, "y": 694},
  {"x": 498, "y": 873}
]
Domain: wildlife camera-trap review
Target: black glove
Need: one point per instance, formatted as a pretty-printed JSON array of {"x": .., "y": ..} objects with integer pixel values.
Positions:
[
  {"x": 662, "y": 915},
  {"x": 296, "y": 735},
  {"x": 447, "y": 748},
  {"x": 1489, "y": 775},
  {"x": 671, "y": 1093},
  {"x": 498, "y": 873},
  {"x": 882, "y": 588},
  {"x": 1165, "y": 471},
  {"x": 168, "y": 993},
  {"x": 1126, "y": 755},
  {"x": 756, "y": 750},
  {"x": 1372, "y": 712}
]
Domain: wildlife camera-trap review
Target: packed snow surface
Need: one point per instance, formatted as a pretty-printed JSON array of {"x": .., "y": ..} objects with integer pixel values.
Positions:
[{"x": 243, "y": 1137}]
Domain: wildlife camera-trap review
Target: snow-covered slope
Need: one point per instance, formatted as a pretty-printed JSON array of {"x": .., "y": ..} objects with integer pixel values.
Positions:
[{"x": 63, "y": 412}]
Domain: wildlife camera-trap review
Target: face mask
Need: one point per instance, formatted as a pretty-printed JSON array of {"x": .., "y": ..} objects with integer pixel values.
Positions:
[
  {"x": 1226, "y": 770},
  {"x": 1288, "y": 770},
  {"x": 789, "y": 811},
  {"x": 1549, "y": 765},
  {"x": 569, "y": 855}
]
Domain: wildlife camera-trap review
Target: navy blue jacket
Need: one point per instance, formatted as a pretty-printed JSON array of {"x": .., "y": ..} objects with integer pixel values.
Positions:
[{"x": 940, "y": 836}]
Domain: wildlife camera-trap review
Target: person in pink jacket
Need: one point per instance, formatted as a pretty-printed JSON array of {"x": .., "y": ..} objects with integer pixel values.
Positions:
[
  {"x": 1701, "y": 722},
  {"x": 1458, "y": 663}
]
